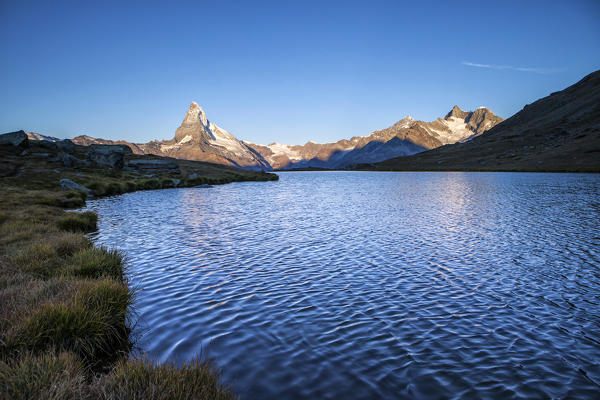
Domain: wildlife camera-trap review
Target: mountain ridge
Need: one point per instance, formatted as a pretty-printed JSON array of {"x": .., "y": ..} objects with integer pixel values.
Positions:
[
  {"x": 559, "y": 132},
  {"x": 405, "y": 137}
]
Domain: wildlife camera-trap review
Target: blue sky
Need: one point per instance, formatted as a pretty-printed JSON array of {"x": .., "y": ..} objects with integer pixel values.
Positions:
[{"x": 273, "y": 71}]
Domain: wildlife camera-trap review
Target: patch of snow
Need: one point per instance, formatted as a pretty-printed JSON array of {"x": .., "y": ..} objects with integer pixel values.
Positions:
[
  {"x": 225, "y": 139},
  {"x": 458, "y": 131},
  {"x": 279, "y": 149},
  {"x": 37, "y": 136},
  {"x": 185, "y": 139}
]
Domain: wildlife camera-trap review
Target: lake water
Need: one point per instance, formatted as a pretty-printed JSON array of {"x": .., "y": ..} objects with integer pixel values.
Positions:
[{"x": 372, "y": 285}]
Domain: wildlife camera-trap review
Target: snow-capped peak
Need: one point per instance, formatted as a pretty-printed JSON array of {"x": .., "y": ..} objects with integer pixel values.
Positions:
[{"x": 195, "y": 113}]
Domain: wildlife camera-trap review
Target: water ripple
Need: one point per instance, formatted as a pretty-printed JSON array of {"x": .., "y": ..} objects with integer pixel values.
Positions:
[{"x": 372, "y": 285}]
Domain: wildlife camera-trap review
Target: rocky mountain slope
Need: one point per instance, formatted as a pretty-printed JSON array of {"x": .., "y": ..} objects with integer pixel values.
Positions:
[
  {"x": 405, "y": 137},
  {"x": 196, "y": 139},
  {"x": 560, "y": 132}
]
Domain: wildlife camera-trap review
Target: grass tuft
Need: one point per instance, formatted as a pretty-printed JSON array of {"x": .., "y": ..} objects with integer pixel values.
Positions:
[
  {"x": 94, "y": 263},
  {"x": 79, "y": 222},
  {"x": 44, "y": 377},
  {"x": 92, "y": 324},
  {"x": 145, "y": 379}
]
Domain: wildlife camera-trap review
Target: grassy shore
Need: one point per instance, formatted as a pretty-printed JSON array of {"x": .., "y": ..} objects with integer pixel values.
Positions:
[{"x": 65, "y": 315}]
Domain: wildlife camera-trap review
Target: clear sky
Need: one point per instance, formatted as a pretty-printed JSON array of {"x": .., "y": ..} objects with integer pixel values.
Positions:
[{"x": 281, "y": 71}]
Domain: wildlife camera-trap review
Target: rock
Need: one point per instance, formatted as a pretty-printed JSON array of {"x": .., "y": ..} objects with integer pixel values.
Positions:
[
  {"x": 66, "y": 145},
  {"x": 106, "y": 157},
  {"x": 176, "y": 182},
  {"x": 68, "y": 184},
  {"x": 40, "y": 155},
  {"x": 155, "y": 166},
  {"x": 46, "y": 144},
  {"x": 150, "y": 176},
  {"x": 123, "y": 148},
  {"x": 16, "y": 139},
  {"x": 70, "y": 161},
  {"x": 193, "y": 176},
  {"x": 25, "y": 152}
]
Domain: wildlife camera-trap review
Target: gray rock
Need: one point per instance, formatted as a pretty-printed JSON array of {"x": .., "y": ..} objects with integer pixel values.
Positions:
[
  {"x": 17, "y": 139},
  {"x": 46, "y": 144},
  {"x": 66, "y": 145},
  {"x": 193, "y": 176},
  {"x": 68, "y": 184},
  {"x": 70, "y": 161},
  {"x": 106, "y": 157},
  {"x": 176, "y": 182},
  {"x": 155, "y": 166},
  {"x": 123, "y": 148}
]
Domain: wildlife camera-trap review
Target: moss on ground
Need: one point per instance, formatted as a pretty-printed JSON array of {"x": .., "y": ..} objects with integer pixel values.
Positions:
[{"x": 65, "y": 315}]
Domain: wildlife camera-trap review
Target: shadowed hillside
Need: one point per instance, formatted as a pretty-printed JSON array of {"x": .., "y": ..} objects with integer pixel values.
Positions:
[{"x": 560, "y": 132}]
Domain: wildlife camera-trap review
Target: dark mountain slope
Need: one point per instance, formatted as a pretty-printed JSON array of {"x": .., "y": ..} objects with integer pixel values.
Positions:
[{"x": 560, "y": 132}]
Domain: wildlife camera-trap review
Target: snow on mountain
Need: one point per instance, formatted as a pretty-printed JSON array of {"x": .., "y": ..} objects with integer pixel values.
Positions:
[{"x": 405, "y": 137}]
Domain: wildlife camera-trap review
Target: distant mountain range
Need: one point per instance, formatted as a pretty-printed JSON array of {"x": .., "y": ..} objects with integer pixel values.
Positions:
[
  {"x": 199, "y": 139},
  {"x": 405, "y": 137},
  {"x": 196, "y": 139},
  {"x": 560, "y": 132}
]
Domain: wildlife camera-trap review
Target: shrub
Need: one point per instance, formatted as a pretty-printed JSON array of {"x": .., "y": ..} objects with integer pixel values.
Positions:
[{"x": 79, "y": 222}]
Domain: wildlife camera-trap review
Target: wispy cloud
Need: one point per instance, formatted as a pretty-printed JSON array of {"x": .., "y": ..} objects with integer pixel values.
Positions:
[{"x": 513, "y": 68}]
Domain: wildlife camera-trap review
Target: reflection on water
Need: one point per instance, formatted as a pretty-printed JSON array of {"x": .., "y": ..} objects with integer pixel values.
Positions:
[{"x": 366, "y": 285}]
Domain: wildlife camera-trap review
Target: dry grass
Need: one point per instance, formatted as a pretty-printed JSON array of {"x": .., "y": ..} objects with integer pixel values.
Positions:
[{"x": 64, "y": 319}]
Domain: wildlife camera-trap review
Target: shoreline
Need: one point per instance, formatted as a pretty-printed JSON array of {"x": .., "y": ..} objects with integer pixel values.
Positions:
[{"x": 66, "y": 318}]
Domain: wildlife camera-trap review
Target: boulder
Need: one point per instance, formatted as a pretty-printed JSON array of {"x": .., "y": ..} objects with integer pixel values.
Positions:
[
  {"x": 16, "y": 139},
  {"x": 165, "y": 166},
  {"x": 176, "y": 182},
  {"x": 46, "y": 144},
  {"x": 66, "y": 145},
  {"x": 123, "y": 148},
  {"x": 70, "y": 161},
  {"x": 68, "y": 184},
  {"x": 106, "y": 157}
]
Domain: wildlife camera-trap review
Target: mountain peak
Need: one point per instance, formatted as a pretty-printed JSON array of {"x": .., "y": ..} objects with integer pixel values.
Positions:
[
  {"x": 456, "y": 112},
  {"x": 195, "y": 114},
  {"x": 405, "y": 122}
]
